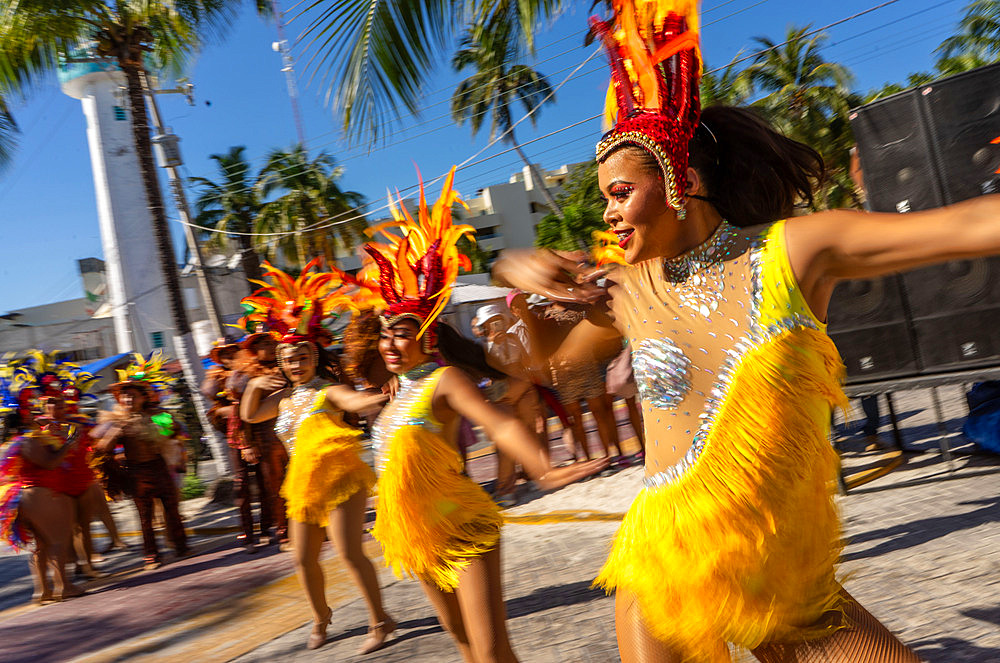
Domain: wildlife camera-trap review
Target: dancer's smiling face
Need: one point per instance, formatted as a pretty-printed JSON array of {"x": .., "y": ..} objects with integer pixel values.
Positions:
[
  {"x": 298, "y": 362},
  {"x": 400, "y": 348},
  {"x": 637, "y": 209}
]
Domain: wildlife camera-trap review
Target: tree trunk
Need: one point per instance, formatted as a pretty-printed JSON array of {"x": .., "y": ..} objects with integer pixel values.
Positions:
[
  {"x": 249, "y": 259},
  {"x": 183, "y": 340},
  {"x": 537, "y": 177}
]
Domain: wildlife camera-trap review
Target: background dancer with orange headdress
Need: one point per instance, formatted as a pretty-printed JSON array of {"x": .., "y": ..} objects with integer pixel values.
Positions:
[
  {"x": 327, "y": 483},
  {"x": 433, "y": 521}
]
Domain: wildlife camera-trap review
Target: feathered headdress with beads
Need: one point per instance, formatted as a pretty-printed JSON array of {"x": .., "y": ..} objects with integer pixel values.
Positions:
[
  {"x": 653, "y": 101},
  {"x": 417, "y": 269},
  {"x": 39, "y": 374},
  {"x": 144, "y": 373},
  {"x": 293, "y": 309}
]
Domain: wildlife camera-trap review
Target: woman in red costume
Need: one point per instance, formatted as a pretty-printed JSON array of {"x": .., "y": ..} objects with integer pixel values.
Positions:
[
  {"x": 735, "y": 536},
  {"x": 433, "y": 521},
  {"x": 327, "y": 484},
  {"x": 34, "y": 504}
]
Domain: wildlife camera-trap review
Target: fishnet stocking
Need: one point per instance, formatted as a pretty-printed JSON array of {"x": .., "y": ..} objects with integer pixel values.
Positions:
[{"x": 865, "y": 640}]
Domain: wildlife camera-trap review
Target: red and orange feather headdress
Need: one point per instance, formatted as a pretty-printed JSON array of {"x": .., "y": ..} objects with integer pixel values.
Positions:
[
  {"x": 293, "y": 309},
  {"x": 653, "y": 101},
  {"x": 417, "y": 269}
]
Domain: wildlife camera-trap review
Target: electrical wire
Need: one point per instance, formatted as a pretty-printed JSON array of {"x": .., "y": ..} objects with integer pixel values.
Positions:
[{"x": 329, "y": 222}]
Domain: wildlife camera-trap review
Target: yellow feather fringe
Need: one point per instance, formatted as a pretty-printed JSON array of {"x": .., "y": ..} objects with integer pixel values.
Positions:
[
  {"x": 742, "y": 548},
  {"x": 431, "y": 518},
  {"x": 325, "y": 469}
]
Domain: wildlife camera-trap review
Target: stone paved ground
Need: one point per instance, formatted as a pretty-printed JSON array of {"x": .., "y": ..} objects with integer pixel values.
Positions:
[{"x": 923, "y": 555}]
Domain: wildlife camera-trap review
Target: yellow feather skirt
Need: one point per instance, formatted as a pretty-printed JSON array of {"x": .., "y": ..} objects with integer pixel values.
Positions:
[
  {"x": 325, "y": 469},
  {"x": 741, "y": 548},
  {"x": 431, "y": 518}
]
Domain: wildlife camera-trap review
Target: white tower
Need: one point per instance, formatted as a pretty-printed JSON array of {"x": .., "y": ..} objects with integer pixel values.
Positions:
[{"x": 136, "y": 290}]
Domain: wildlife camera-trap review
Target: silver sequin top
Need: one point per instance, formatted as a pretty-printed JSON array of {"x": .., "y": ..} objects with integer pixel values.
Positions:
[{"x": 410, "y": 407}]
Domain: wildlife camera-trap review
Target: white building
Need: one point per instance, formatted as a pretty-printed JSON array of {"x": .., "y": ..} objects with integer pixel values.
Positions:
[
  {"x": 505, "y": 215},
  {"x": 84, "y": 329}
]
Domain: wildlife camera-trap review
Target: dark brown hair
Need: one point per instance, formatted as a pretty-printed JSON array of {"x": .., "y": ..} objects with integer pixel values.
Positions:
[
  {"x": 752, "y": 173},
  {"x": 361, "y": 345}
]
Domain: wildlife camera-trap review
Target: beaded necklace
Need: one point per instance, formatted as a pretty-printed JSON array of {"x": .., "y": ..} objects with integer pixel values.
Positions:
[
  {"x": 407, "y": 379},
  {"x": 698, "y": 275}
]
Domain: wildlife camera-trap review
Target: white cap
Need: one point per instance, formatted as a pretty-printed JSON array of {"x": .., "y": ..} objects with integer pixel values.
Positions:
[{"x": 484, "y": 313}]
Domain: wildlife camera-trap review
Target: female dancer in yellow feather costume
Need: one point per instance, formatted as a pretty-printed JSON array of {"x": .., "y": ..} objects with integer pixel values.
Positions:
[
  {"x": 327, "y": 482},
  {"x": 433, "y": 521},
  {"x": 735, "y": 536}
]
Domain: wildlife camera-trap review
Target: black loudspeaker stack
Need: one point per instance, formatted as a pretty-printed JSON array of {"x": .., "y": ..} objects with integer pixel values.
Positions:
[{"x": 926, "y": 147}]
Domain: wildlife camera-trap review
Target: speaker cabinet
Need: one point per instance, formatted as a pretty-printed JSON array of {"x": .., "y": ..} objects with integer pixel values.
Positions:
[{"x": 933, "y": 145}]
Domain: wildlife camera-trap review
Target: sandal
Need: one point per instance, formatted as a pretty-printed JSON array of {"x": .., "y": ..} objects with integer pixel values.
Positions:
[
  {"x": 377, "y": 635},
  {"x": 318, "y": 636}
]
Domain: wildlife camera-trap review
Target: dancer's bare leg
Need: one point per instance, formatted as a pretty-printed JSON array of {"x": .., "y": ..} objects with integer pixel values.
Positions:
[
  {"x": 607, "y": 427},
  {"x": 306, "y": 541},
  {"x": 82, "y": 541},
  {"x": 575, "y": 413},
  {"x": 39, "y": 563},
  {"x": 51, "y": 518},
  {"x": 450, "y": 617},
  {"x": 635, "y": 418},
  {"x": 480, "y": 596},
  {"x": 98, "y": 505},
  {"x": 635, "y": 643},
  {"x": 346, "y": 529},
  {"x": 864, "y": 640}
]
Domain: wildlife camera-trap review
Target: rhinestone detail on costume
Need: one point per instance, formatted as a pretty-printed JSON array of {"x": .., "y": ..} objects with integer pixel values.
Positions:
[
  {"x": 300, "y": 405},
  {"x": 699, "y": 274},
  {"x": 411, "y": 407},
  {"x": 662, "y": 372}
]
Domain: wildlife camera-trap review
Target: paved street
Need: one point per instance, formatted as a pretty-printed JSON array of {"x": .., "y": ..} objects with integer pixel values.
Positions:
[{"x": 923, "y": 555}]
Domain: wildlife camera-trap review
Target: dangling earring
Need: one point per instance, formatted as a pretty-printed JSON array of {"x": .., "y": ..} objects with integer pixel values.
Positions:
[{"x": 682, "y": 213}]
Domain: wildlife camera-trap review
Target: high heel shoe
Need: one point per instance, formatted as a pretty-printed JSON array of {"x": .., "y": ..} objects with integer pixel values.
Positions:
[
  {"x": 318, "y": 636},
  {"x": 377, "y": 635}
]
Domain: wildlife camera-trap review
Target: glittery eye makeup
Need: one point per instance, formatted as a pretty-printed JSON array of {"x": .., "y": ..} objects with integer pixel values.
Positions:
[{"x": 621, "y": 190}]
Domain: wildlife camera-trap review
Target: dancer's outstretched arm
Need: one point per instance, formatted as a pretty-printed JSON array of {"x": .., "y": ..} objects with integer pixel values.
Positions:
[
  {"x": 839, "y": 245},
  {"x": 347, "y": 399},
  {"x": 456, "y": 392}
]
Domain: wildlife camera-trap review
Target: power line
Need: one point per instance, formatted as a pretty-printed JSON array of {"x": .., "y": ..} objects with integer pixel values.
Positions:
[{"x": 472, "y": 159}]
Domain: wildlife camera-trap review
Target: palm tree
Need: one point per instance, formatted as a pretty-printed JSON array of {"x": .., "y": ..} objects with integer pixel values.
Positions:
[
  {"x": 495, "y": 86},
  {"x": 808, "y": 98},
  {"x": 373, "y": 57},
  {"x": 231, "y": 204},
  {"x": 728, "y": 86},
  {"x": 36, "y": 34},
  {"x": 310, "y": 197},
  {"x": 8, "y": 131},
  {"x": 978, "y": 34}
]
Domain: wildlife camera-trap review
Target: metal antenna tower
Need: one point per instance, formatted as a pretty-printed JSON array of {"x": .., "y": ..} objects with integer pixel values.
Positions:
[{"x": 288, "y": 66}]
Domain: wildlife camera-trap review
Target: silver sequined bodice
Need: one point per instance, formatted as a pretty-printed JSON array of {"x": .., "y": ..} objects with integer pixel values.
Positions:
[
  {"x": 410, "y": 407},
  {"x": 296, "y": 408}
]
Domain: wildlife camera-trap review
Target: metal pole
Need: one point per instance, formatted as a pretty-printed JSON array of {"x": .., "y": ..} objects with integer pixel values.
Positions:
[
  {"x": 180, "y": 200},
  {"x": 288, "y": 66}
]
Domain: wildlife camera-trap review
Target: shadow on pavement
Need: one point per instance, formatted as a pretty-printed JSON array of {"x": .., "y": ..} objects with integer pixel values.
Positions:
[
  {"x": 917, "y": 532},
  {"x": 954, "y": 650}
]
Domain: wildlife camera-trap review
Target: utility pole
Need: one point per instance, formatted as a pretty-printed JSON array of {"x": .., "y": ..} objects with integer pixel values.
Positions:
[
  {"x": 288, "y": 66},
  {"x": 167, "y": 148}
]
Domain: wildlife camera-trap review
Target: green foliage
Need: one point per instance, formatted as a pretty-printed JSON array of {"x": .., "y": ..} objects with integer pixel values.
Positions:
[
  {"x": 192, "y": 486},
  {"x": 374, "y": 57},
  {"x": 8, "y": 132},
  {"x": 581, "y": 187},
  {"x": 310, "y": 198},
  {"x": 479, "y": 258},
  {"x": 573, "y": 232}
]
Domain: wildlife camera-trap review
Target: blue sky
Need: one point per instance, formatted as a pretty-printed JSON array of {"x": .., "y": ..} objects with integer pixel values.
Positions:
[{"x": 47, "y": 204}]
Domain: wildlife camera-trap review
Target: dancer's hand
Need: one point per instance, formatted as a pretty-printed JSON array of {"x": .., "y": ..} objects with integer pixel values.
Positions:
[
  {"x": 561, "y": 476},
  {"x": 271, "y": 383},
  {"x": 250, "y": 455},
  {"x": 557, "y": 276}
]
